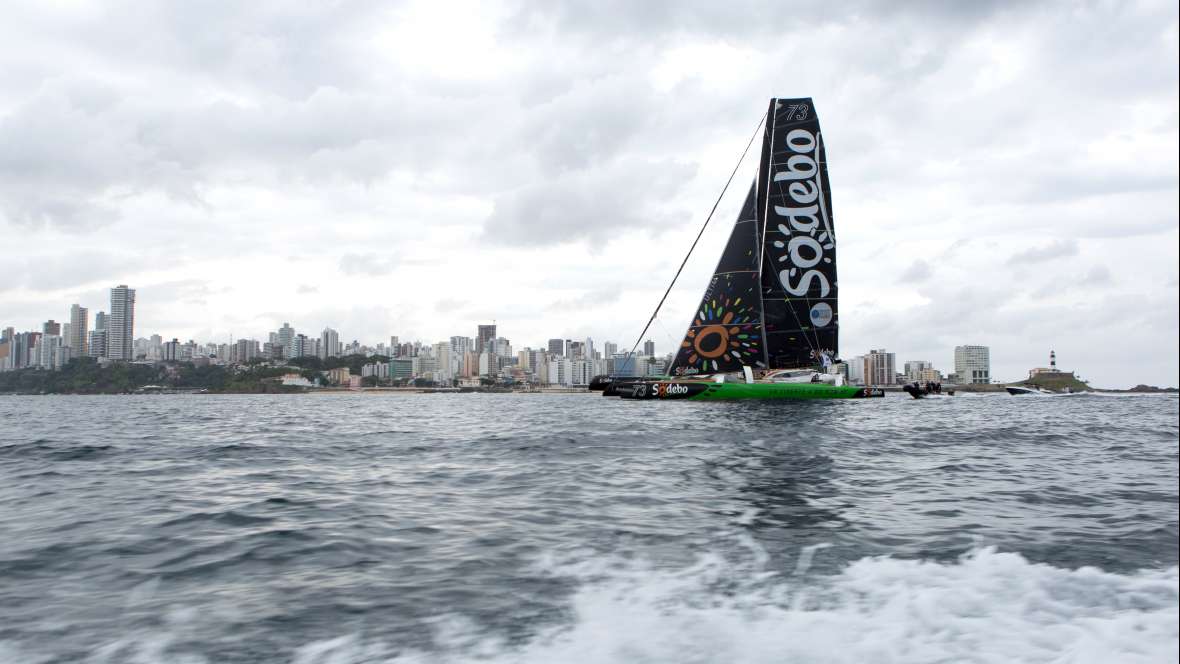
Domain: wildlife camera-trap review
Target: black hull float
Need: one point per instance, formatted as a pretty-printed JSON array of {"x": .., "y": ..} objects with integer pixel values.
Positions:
[{"x": 614, "y": 386}]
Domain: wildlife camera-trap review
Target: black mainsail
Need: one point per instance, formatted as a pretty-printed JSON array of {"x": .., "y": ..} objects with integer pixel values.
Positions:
[
  {"x": 726, "y": 330},
  {"x": 772, "y": 300},
  {"x": 800, "y": 314}
]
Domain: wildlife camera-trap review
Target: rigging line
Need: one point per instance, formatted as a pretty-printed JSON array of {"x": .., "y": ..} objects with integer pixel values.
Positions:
[{"x": 698, "y": 238}]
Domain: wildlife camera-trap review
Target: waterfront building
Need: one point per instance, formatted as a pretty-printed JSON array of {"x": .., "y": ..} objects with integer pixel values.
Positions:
[
  {"x": 501, "y": 347},
  {"x": 49, "y": 352},
  {"x": 489, "y": 364},
  {"x": 295, "y": 380},
  {"x": 574, "y": 350},
  {"x": 928, "y": 375},
  {"x": 485, "y": 335},
  {"x": 557, "y": 346},
  {"x": 973, "y": 364},
  {"x": 330, "y": 343},
  {"x": 856, "y": 370},
  {"x": 460, "y": 346},
  {"x": 444, "y": 358},
  {"x": 914, "y": 368},
  {"x": 654, "y": 366},
  {"x": 301, "y": 346},
  {"x": 379, "y": 370},
  {"x": 155, "y": 347},
  {"x": 245, "y": 350},
  {"x": 879, "y": 368},
  {"x": 561, "y": 370},
  {"x": 272, "y": 350},
  {"x": 285, "y": 337},
  {"x": 98, "y": 342},
  {"x": 171, "y": 351},
  {"x": 121, "y": 326},
  {"x": 401, "y": 368},
  {"x": 581, "y": 371}
]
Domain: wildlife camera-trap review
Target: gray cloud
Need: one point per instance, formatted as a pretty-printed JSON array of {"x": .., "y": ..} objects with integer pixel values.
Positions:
[
  {"x": 369, "y": 264},
  {"x": 1053, "y": 250},
  {"x": 917, "y": 272},
  {"x": 589, "y": 205},
  {"x": 70, "y": 270}
]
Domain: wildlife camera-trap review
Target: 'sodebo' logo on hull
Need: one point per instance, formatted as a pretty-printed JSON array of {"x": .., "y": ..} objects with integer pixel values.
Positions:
[{"x": 671, "y": 389}]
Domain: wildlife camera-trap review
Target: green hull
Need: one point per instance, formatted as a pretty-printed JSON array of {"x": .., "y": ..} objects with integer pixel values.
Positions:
[{"x": 701, "y": 391}]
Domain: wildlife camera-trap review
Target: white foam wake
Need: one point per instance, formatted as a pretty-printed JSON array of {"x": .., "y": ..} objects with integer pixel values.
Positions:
[{"x": 989, "y": 607}]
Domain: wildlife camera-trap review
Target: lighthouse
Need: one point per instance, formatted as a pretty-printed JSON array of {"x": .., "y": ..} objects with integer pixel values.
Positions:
[{"x": 1053, "y": 361}]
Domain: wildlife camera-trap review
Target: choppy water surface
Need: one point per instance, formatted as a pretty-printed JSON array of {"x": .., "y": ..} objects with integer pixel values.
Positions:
[{"x": 572, "y": 528}]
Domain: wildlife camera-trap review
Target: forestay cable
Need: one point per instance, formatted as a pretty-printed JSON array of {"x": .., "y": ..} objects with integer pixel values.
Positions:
[{"x": 698, "y": 238}]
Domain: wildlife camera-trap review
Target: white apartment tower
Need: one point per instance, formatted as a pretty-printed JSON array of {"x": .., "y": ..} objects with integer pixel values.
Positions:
[
  {"x": 79, "y": 335},
  {"x": 973, "y": 364},
  {"x": 329, "y": 343},
  {"x": 286, "y": 339},
  {"x": 121, "y": 324}
]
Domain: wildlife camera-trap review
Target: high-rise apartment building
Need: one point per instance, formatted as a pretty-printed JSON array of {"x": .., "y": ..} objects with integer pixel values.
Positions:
[
  {"x": 557, "y": 347},
  {"x": 486, "y": 334},
  {"x": 171, "y": 350},
  {"x": 609, "y": 349},
  {"x": 286, "y": 339},
  {"x": 51, "y": 327},
  {"x": 301, "y": 346},
  {"x": 329, "y": 343},
  {"x": 460, "y": 346},
  {"x": 879, "y": 368},
  {"x": 121, "y": 325},
  {"x": 49, "y": 353},
  {"x": 245, "y": 350},
  {"x": 79, "y": 334},
  {"x": 649, "y": 348},
  {"x": 973, "y": 364}
]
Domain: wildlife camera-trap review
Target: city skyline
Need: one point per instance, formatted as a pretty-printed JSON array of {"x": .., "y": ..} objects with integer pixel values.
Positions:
[
  {"x": 995, "y": 179},
  {"x": 875, "y": 367}
]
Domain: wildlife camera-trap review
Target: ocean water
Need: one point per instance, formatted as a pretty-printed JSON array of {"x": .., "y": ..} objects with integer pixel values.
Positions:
[{"x": 350, "y": 528}]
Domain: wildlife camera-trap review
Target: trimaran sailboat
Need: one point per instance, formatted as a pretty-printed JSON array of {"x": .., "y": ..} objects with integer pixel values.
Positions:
[{"x": 768, "y": 324}]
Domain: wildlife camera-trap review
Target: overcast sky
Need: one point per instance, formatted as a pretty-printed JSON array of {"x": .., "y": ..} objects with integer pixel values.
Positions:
[{"x": 1002, "y": 173}]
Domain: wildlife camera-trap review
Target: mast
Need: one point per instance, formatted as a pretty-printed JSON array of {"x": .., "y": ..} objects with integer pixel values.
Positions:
[{"x": 763, "y": 175}]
